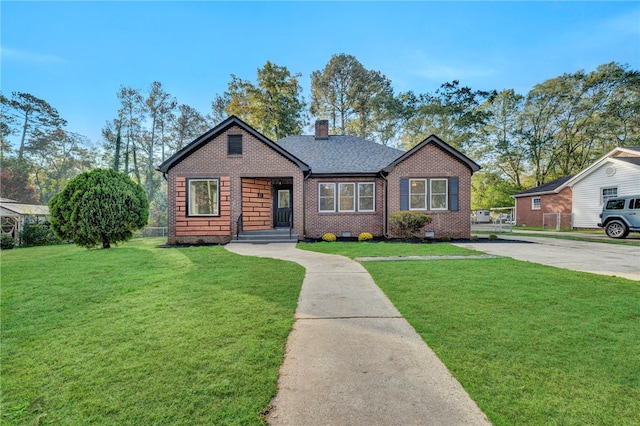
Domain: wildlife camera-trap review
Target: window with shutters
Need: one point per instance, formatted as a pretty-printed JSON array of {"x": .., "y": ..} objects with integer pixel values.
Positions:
[
  {"x": 234, "y": 145},
  {"x": 429, "y": 194}
]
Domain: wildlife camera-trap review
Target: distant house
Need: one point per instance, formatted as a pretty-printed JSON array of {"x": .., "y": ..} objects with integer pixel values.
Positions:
[
  {"x": 552, "y": 197},
  {"x": 616, "y": 173},
  {"x": 13, "y": 216},
  {"x": 582, "y": 195},
  {"x": 234, "y": 181}
]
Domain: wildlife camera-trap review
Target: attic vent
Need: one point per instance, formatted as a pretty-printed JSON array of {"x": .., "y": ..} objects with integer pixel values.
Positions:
[{"x": 610, "y": 171}]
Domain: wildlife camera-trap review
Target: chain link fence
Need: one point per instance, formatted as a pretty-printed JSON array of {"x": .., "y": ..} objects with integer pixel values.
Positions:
[{"x": 557, "y": 221}]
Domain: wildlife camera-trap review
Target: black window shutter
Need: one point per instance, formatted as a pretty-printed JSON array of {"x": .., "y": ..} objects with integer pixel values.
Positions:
[
  {"x": 453, "y": 194},
  {"x": 404, "y": 194},
  {"x": 234, "y": 145}
]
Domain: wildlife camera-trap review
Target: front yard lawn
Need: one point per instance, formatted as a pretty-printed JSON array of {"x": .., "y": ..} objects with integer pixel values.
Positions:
[
  {"x": 533, "y": 345},
  {"x": 138, "y": 335}
]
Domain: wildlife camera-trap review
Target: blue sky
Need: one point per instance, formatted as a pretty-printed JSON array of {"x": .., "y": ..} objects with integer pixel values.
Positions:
[{"x": 76, "y": 55}]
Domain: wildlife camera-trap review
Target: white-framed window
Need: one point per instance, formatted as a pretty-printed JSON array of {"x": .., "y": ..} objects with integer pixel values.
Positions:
[
  {"x": 203, "y": 197},
  {"x": 417, "y": 194},
  {"x": 366, "y": 197},
  {"x": 347, "y": 198},
  {"x": 609, "y": 192},
  {"x": 326, "y": 197},
  {"x": 438, "y": 199},
  {"x": 535, "y": 203}
]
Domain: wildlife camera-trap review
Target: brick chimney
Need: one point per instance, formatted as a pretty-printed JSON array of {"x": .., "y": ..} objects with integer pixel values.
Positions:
[{"x": 322, "y": 129}]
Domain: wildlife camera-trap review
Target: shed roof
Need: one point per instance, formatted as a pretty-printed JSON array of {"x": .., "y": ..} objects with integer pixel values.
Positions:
[
  {"x": 545, "y": 188},
  {"x": 23, "y": 209}
]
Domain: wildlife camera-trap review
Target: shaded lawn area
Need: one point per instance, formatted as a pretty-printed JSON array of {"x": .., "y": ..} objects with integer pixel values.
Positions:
[
  {"x": 369, "y": 248},
  {"x": 141, "y": 335},
  {"x": 533, "y": 345}
]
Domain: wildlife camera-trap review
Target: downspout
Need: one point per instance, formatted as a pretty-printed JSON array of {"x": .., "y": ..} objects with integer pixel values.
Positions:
[
  {"x": 386, "y": 205},
  {"x": 304, "y": 205}
]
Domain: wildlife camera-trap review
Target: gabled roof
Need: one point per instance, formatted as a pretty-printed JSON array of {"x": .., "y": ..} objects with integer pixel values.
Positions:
[
  {"x": 19, "y": 209},
  {"x": 220, "y": 128},
  {"x": 433, "y": 139},
  {"x": 546, "y": 188},
  {"x": 340, "y": 154},
  {"x": 616, "y": 154}
]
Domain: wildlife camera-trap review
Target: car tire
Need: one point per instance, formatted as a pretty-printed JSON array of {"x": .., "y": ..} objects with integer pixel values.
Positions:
[{"x": 616, "y": 229}]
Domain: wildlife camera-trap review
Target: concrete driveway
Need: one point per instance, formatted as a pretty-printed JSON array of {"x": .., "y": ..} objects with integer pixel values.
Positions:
[{"x": 597, "y": 258}]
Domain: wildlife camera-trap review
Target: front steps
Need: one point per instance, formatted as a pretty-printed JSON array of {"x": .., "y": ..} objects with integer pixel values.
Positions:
[{"x": 277, "y": 235}]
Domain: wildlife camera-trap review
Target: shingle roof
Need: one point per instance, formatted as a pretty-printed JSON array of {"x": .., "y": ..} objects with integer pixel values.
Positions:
[
  {"x": 340, "y": 154},
  {"x": 545, "y": 187},
  {"x": 632, "y": 160}
]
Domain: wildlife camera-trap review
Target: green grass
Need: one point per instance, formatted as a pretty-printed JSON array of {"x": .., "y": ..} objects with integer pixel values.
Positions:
[
  {"x": 366, "y": 249},
  {"x": 141, "y": 335},
  {"x": 533, "y": 345}
]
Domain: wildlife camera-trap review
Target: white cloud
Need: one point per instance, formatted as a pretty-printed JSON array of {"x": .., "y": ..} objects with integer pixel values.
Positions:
[{"x": 29, "y": 57}]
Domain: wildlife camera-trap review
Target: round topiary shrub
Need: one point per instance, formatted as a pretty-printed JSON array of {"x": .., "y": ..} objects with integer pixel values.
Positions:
[
  {"x": 365, "y": 236},
  {"x": 99, "y": 207},
  {"x": 329, "y": 237}
]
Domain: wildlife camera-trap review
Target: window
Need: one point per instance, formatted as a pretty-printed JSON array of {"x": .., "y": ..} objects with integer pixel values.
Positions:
[
  {"x": 417, "y": 194},
  {"x": 366, "y": 197},
  {"x": 234, "y": 145},
  {"x": 351, "y": 197},
  {"x": 327, "y": 197},
  {"x": 608, "y": 193},
  {"x": 535, "y": 203},
  {"x": 634, "y": 204},
  {"x": 347, "y": 200},
  {"x": 615, "y": 204},
  {"x": 203, "y": 197},
  {"x": 438, "y": 199}
]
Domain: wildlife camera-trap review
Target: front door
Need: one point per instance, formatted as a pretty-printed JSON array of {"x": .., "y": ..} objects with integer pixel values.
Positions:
[{"x": 283, "y": 205}]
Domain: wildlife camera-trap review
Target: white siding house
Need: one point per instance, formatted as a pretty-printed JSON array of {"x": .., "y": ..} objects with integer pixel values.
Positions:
[{"x": 615, "y": 174}]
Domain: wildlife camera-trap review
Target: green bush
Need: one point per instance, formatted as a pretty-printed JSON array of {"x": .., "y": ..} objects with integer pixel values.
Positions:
[
  {"x": 329, "y": 237},
  {"x": 365, "y": 236},
  {"x": 38, "y": 234},
  {"x": 493, "y": 237},
  {"x": 406, "y": 223},
  {"x": 99, "y": 207},
  {"x": 6, "y": 242}
]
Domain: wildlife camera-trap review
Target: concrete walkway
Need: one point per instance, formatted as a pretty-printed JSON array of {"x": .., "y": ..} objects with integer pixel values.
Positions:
[{"x": 352, "y": 359}]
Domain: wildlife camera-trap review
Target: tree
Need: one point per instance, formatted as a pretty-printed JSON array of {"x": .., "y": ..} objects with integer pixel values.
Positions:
[
  {"x": 504, "y": 148},
  {"x": 186, "y": 126},
  {"x": 274, "y": 106},
  {"x": 452, "y": 113},
  {"x": 356, "y": 101},
  {"x": 99, "y": 207},
  {"x": 35, "y": 115}
]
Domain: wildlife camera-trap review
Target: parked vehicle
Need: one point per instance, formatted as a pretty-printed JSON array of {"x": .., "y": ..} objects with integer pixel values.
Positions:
[{"x": 620, "y": 215}]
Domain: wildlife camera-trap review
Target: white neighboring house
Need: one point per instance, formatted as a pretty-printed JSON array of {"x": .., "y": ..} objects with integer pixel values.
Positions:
[
  {"x": 615, "y": 174},
  {"x": 14, "y": 214}
]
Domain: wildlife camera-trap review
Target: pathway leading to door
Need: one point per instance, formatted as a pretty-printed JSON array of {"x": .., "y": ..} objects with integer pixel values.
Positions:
[{"x": 352, "y": 359}]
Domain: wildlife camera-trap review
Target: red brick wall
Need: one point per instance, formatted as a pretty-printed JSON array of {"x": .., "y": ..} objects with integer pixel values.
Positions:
[
  {"x": 211, "y": 160},
  {"x": 549, "y": 203},
  {"x": 338, "y": 222},
  {"x": 257, "y": 204},
  {"x": 433, "y": 162},
  {"x": 209, "y": 228}
]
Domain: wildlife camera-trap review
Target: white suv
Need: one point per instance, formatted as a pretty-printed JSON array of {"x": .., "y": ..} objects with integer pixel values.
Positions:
[{"x": 620, "y": 215}]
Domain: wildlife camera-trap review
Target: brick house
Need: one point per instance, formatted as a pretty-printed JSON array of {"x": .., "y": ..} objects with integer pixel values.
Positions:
[
  {"x": 233, "y": 181},
  {"x": 578, "y": 199},
  {"x": 551, "y": 197}
]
